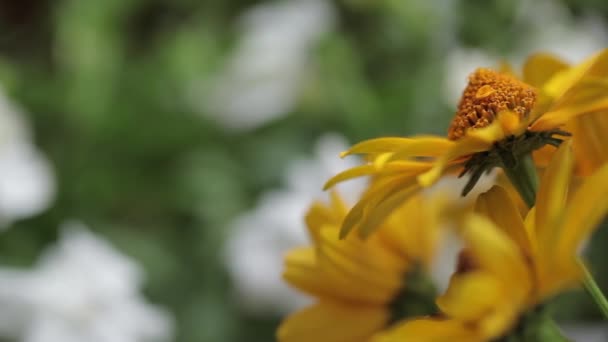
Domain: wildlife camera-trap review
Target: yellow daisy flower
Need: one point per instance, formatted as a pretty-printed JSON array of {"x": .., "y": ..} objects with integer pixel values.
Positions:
[
  {"x": 500, "y": 121},
  {"x": 512, "y": 265},
  {"x": 553, "y": 76},
  {"x": 361, "y": 286}
]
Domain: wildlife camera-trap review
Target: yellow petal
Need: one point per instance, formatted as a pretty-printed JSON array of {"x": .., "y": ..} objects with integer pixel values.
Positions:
[
  {"x": 472, "y": 295},
  {"x": 589, "y": 140},
  {"x": 540, "y": 67},
  {"x": 495, "y": 252},
  {"x": 354, "y": 172},
  {"x": 589, "y": 99},
  {"x": 478, "y": 140},
  {"x": 423, "y": 146},
  {"x": 413, "y": 230},
  {"x": 367, "y": 266},
  {"x": 331, "y": 322},
  {"x": 318, "y": 277},
  {"x": 404, "y": 167},
  {"x": 420, "y": 145},
  {"x": 320, "y": 215},
  {"x": 561, "y": 85},
  {"x": 484, "y": 300},
  {"x": 552, "y": 192},
  {"x": 430, "y": 330},
  {"x": 588, "y": 207},
  {"x": 500, "y": 208},
  {"x": 378, "y": 191},
  {"x": 302, "y": 272},
  {"x": 380, "y": 212},
  {"x": 576, "y": 91}
]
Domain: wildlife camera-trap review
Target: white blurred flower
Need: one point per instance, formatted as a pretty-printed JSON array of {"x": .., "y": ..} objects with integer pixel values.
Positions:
[
  {"x": 587, "y": 332},
  {"x": 26, "y": 177},
  {"x": 262, "y": 79},
  {"x": 555, "y": 31},
  {"x": 558, "y": 32},
  {"x": 254, "y": 254},
  {"x": 81, "y": 290}
]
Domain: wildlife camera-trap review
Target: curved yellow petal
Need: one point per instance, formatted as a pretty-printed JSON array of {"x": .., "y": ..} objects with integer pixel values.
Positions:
[
  {"x": 479, "y": 140},
  {"x": 383, "y": 209},
  {"x": 366, "y": 265},
  {"x": 403, "y": 167},
  {"x": 379, "y": 191},
  {"x": 320, "y": 215},
  {"x": 500, "y": 208},
  {"x": 589, "y": 141},
  {"x": 354, "y": 172},
  {"x": 331, "y": 322},
  {"x": 494, "y": 251},
  {"x": 424, "y": 145},
  {"x": 301, "y": 271},
  {"x": 540, "y": 67},
  {"x": 552, "y": 193},
  {"x": 591, "y": 100},
  {"x": 430, "y": 330},
  {"x": 561, "y": 85},
  {"x": 413, "y": 230},
  {"x": 588, "y": 207},
  {"x": 377, "y": 146},
  {"x": 471, "y": 296},
  {"x": 576, "y": 91}
]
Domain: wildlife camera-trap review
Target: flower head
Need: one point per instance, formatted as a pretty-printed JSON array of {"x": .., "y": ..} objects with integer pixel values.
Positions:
[
  {"x": 361, "y": 286},
  {"x": 500, "y": 120},
  {"x": 512, "y": 264},
  {"x": 489, "y": 93}
]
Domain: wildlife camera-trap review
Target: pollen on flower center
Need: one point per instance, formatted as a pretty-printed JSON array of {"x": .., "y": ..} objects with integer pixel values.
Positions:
[{"x": 487, "y": 94}]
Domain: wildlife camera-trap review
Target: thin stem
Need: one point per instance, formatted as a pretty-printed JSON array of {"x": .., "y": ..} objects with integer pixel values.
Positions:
[
  {"x": 525, "y": 179},
  {"x": 594, "y": 290}
]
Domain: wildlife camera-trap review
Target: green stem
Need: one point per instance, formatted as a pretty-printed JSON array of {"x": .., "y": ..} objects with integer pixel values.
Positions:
[
  {"x": 594, "y": 290},
  {"x": 524, "y": 177}
]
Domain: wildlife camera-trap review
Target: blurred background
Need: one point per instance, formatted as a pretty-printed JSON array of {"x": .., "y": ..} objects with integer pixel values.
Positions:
[{"x": 156, "y": 157}]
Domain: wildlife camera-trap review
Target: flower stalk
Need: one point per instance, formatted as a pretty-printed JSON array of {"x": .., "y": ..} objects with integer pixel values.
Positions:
[
  {"x": 594, "y": 290},
  {"x": 522, "y": 174}
]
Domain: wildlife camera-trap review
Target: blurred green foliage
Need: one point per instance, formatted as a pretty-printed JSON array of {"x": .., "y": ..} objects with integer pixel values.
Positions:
[{"x": 104, "y": 84}]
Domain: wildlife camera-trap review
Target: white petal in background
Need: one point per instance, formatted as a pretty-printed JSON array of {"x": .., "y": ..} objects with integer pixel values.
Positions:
[
  {"x": 587, "y": 332},
  {"x": 262, "y": 78},
  {"x": 260, "y": 238},
  {"x": 556, "y": 31},
  {"x": 27, "y": 184},
  {"x": 81, "y": 290}
]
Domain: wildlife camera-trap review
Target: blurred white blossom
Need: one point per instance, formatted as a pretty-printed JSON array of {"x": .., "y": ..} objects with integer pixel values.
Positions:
[
  {"x": 559, "y": 32},
  {"x": 556, "y": 31},
  {"x": 587, "y": 332},
  {"x": 262, "y": 78},
  {"x": 81, "y": 290},
  {"x": 26, "y": 178},
  {"x": 254, "y": 254}
]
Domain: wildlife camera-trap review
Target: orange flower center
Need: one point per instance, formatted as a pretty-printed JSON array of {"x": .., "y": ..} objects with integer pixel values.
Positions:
[{"x": 487, "y": 94}]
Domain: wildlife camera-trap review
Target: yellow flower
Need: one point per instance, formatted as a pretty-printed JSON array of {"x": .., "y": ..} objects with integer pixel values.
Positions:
[
  {"x": 500, "y": 120},
  {"x": 554, "y": 77},
  {"x": 358, "y": 283},
  {"x": 511, "y": 265}
]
